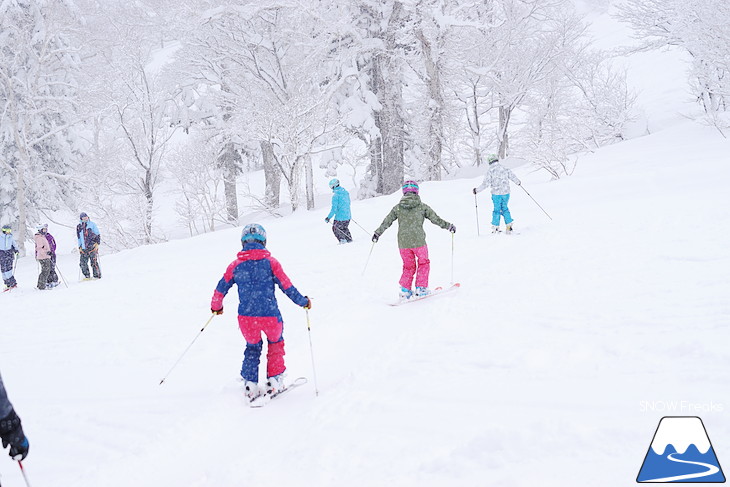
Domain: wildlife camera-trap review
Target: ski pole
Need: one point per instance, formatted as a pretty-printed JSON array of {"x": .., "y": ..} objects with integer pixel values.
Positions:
[
  {"x": 22, "y": 470},
  {"x": 368, "y": 261},
  {"x": 186, "y": 350},
  {"x": 452, "y": 258},
  {"x": 311, "y": 353},
  {"x": 62, "y": 278},
  {"x": 538, "y": 204},
  {"x": 476, "y": 208},
  {"x": 356, "y": 223}
]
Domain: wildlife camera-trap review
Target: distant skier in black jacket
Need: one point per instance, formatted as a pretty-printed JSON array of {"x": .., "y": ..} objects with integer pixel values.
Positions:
[{"x": 11, "y": 431}]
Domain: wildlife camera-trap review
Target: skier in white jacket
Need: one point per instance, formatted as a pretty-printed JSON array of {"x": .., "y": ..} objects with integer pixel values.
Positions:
[{"x": 497, "y": 178}]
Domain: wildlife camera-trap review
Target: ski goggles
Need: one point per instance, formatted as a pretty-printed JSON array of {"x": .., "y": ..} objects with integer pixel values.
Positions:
[{"x": 7, "y": 230}]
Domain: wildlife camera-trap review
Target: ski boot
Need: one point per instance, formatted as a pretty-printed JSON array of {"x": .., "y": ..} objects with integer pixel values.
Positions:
[
  {"x": 252, "y": 389},
  {"x": 405, "y": 293},
  {"x": 422, "y": 291},
  {"x": 495, "y": 229},
  {"x": 274, "y": 385},
  {"x": 508, "y": 228}
]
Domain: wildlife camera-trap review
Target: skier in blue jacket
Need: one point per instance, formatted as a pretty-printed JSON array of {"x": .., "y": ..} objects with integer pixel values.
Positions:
[
  {"x": 8, "y": 254},
  {"x": 340, "y": 211},
  {"x": 89, "y": 239},
  {"x": 11, "y": 430},
  {"x": 256, "y": 273}
]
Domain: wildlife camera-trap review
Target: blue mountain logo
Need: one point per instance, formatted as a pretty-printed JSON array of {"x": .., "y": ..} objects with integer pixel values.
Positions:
[{"x": 681, "y": 452}]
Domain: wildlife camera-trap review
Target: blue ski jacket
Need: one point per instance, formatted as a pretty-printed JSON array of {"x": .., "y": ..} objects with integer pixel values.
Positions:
[
  {"x": 256, "y": 272},
  {"x": 7, "y": 242},
  {"x": 340, "y": 204}
]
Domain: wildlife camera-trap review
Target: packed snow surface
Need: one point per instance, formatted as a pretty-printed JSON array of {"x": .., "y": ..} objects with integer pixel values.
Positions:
[{"x": 549, "y": 366}]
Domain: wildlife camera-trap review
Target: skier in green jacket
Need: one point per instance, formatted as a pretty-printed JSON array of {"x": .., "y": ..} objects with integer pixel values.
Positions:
[{"x": 410, "y": 213}]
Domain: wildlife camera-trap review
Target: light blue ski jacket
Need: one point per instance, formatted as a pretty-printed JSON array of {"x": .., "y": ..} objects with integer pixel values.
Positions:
[
  {"x": 340, "y": 204},
  {"x": 7, "y": 242},
  {"x": 497, "y": 178}
]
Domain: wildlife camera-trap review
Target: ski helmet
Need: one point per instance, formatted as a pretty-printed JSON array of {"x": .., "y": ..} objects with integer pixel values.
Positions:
[
  {"x": 82, "y": 215},
  {"x": 410, "y": 187},
  {"x": 7, "y": 229},
  {"x": 334, "y": 183},
  {"x": 492, "y": 158},
  {"x": 41, "y": 226},
  {"x": 253, "y": 232}
]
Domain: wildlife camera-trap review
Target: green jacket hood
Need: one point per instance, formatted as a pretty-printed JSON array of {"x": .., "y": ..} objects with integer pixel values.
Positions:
[{"x": 409, "y": 201}]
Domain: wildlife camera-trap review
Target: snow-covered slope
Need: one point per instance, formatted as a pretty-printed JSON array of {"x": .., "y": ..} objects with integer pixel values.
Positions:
[{"x": 533, "y": 373}]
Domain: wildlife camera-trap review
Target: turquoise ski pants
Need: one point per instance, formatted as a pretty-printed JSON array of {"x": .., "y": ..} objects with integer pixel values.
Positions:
[{"x": 500, "y": 208}]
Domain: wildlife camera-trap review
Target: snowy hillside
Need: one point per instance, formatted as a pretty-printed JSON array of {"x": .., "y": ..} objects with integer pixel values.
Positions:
[{"x": 533, "y": 373}]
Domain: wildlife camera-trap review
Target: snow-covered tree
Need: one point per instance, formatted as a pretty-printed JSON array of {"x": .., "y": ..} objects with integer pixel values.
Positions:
[
  {"x": 262, "y": 68},
  {"x": 702, "y": 29},
  {"x": 38, "y": 110},
  {"x": 133, "y": 110}
]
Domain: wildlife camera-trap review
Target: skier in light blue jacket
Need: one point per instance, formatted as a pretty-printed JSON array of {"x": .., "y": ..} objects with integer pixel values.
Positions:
[
  {"x": 340, "y": 211},
  {"x": 8, "y": 254},
  {"x": 497, "y": 178}
]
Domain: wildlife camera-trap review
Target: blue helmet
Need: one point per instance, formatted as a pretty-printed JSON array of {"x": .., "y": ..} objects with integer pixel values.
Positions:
[
  {"x": 253, "y": 232},
  {"x": 334, "y": 183}
]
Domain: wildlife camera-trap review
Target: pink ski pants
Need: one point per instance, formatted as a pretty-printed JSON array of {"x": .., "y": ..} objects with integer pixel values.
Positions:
[
  {"x": 415, "y": 261},
  {"x": 252, "y": 326}
]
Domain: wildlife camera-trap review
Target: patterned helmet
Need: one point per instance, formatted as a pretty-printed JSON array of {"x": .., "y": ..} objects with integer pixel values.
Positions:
[
  {"x": 492, "y": 158},
  {"x": 253, "y": 232},
  {"x": 334, "y": 183},
  {"x": 410, "y": 187},
  {"x": 41, "y": 226}
]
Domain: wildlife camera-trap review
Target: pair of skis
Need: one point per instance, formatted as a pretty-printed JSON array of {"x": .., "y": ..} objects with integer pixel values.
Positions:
[
  {"x": 264, "y": 399},
  {"x": 434, "y": 292}
]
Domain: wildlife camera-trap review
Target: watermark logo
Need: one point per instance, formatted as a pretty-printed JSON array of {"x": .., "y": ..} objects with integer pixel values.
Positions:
[{"x": 681, "y": 452}]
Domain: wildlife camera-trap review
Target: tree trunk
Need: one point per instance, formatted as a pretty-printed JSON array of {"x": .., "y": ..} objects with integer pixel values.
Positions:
[
  {"x": 392, "y": 129},
  {"x": 476, "y": 129},
  {"x": 386, "y": 82},
  {"x": 149, "y": 205},
  {"x": 435, "y": 109},
  {"x": 229, "y": 160},
  {"x": 504, "y": 116},
  {"x": 23, "y": 163},
  {"x": 22, "y": 211},
  {"x": 272, "y": 175},
  {"x": 295, "y": 176},
  {"x": 309, "y": 181}
]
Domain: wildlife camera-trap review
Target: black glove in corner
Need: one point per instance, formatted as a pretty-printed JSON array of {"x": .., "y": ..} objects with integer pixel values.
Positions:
[{"x": 12, "y": 434}]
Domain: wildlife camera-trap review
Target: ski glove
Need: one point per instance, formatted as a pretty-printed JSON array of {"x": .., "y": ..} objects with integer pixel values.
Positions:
[
  {"x": 327, "y": 219},
  {"x": 217, "y": 311},
  {"x": 309, "y": 303},
  {"x": 375, "y": 237},
  {"x": 474, "y": 190},
  {"x": 452, "y": 228},
  {"x": 12, "y": 434}
]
